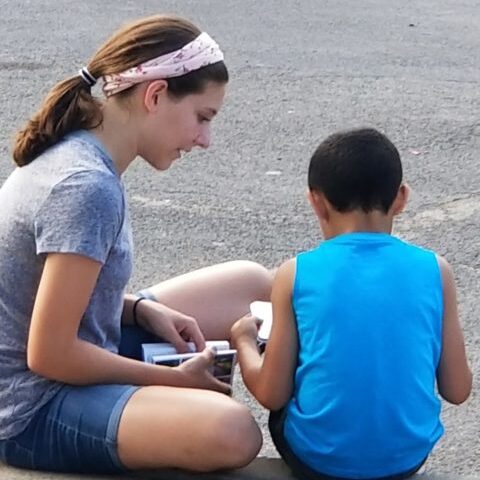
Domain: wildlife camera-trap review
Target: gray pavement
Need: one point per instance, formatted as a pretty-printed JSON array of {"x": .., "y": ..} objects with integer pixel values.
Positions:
[
  {"x": 300, "y": 70},
  {"x": 259, "y": 469}
]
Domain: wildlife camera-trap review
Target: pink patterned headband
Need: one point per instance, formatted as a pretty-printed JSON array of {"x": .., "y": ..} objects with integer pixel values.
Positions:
[{"x": 198, "y": 53}]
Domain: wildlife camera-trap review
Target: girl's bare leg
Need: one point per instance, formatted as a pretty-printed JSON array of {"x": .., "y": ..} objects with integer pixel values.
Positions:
[
  {"x": 216, "y": 296},
  {"x": 197, "y": 430}
]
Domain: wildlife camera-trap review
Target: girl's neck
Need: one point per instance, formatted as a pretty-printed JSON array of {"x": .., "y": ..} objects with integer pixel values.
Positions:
[{"x": 118, "y": 135}]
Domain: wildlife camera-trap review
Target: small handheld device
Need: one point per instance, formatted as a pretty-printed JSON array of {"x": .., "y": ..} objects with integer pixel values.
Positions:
[
  {"x": 263, "y": 311},
  {"x": 165, "y": 354},
  {"x": 222, "y": 368}
]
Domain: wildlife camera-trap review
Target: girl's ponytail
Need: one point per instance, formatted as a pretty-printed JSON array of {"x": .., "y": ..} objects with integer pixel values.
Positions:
[{"x": 68, "y": 107}]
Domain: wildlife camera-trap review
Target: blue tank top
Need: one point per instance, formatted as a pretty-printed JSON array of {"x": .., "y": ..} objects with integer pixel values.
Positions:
[{"x": 369, "y": 310}]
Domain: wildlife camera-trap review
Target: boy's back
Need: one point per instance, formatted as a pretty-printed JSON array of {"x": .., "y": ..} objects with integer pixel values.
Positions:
[
  {"x": 365, "y": 328},
  {"x": 368, "y": 309}
]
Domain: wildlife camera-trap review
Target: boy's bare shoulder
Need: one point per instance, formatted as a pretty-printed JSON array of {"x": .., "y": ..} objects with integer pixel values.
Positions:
[
  {"x": 446, "y": 272},
  {"x": 285, "y": 273},
  {"x": 287, "y": 267},
  {"x": 442, "y": 262}
]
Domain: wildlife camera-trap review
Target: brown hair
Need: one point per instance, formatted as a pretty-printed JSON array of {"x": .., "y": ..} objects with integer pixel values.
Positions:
[{"x": 70, "y": 106}]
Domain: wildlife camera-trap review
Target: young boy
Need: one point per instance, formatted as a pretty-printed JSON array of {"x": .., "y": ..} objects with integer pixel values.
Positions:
[{"x": 364, "y": 327}]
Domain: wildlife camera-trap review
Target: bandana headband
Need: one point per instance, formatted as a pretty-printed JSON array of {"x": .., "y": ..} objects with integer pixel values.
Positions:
[{"x": 200, "y": 52}]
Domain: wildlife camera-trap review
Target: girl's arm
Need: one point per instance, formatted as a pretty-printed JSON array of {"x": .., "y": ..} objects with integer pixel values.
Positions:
[
  {"x": 164, "y": 322},
  {"x": 55, "y": 351},
  {"x": 270, "y": 378},
  {"x": 454, "y": 377}
]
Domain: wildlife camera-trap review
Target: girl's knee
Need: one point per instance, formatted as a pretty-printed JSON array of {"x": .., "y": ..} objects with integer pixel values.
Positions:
[
  {"x": 258, "y": 277},
  {"x": 240, "y": 437}
]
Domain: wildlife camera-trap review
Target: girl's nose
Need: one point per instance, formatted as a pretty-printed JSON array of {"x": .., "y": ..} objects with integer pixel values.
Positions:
[{"x": 203, "y": 139}]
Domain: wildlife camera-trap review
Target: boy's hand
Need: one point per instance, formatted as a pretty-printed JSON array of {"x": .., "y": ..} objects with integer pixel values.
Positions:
[
  {"x": 195, "y": 373},
  {"x": 246, "y": 327}
]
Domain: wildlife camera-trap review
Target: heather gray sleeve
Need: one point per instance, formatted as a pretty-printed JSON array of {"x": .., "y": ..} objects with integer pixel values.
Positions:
[{"x": 82, "y": 214}]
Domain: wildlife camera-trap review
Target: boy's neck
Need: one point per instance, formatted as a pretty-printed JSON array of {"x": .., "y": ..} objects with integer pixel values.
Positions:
[{"x": 357, "y": 221}]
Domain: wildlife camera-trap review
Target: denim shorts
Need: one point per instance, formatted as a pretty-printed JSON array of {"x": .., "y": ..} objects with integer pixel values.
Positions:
[{"x": 77, "y": 430}]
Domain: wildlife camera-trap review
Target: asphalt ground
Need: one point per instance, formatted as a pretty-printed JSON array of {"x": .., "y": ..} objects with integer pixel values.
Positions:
[{"x": 300, "y": 70}]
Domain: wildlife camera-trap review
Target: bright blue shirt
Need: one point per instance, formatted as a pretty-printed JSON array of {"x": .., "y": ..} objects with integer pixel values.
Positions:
[{"x": 369, "y": 310}]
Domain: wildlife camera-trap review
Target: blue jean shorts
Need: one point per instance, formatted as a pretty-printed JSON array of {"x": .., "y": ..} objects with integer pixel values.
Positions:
[{"x": 77, "y": 430}]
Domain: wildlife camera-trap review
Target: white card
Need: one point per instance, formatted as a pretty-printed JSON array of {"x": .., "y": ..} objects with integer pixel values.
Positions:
[{"x": 263, "y": 311}]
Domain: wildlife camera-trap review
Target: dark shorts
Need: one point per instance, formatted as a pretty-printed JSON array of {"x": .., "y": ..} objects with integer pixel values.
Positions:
[
  {"x": 77, "y": 430},
  {"x": 301, "y": 470}
]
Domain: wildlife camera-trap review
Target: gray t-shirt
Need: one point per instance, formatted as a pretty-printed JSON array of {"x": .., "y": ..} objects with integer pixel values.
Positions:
[{"x": 69, "y": 199}]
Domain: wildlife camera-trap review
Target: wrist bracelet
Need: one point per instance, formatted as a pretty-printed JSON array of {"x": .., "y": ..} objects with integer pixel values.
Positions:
[{"x": 134, "y": 311}]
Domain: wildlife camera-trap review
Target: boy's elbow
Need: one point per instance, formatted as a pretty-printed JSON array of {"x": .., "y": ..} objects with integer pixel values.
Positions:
[
  {"x": 459, "y": 393},
  {"x": 456, "y": 398},
  {"x": 270, "y": 399},
  {"x": 272, "y": 404}
]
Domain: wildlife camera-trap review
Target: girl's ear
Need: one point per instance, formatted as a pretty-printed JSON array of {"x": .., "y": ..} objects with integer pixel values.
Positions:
[
  {"x": 154, "y": 93},
  {"x": 401, "y": 199},
  {"x": 318, "y": 203}
]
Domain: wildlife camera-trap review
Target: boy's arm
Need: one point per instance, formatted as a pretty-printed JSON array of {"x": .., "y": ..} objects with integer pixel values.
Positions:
[
  {"x": 454, "y": 377},
  {"x": 270, "y": 379}
]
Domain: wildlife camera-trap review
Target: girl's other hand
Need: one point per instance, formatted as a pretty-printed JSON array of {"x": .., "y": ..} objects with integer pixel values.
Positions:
[{"x": 195, "y": 373}]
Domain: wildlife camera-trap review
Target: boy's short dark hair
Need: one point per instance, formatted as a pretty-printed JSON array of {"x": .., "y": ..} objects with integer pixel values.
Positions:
[{"x": 356, "y": 169}]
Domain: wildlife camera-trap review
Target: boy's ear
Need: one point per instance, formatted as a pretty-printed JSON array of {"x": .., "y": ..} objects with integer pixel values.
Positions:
[
  {"x": 401, "y": 199},
  {"x": 317, "y": 201},
  {"x": 153, "y": 93}
]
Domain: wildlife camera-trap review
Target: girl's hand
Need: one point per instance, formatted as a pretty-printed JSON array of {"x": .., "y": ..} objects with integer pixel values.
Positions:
[
  {"x": 170, "y": 325},
  {"x": 246, "y": 327},
  {"x": 196, "y": 375}
]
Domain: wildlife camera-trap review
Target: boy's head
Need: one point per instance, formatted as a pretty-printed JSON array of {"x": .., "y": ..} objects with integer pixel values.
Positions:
[{"x": 356, "y": 170}]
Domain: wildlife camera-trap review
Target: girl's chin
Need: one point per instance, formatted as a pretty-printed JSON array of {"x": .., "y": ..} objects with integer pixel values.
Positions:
[
  {"x": 164, "y": 165},
  {"x": 163, "y": 162}
]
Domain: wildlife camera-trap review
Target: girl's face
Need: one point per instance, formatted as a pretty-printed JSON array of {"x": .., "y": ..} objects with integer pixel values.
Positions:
[{"x": 178, "y": 125}]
